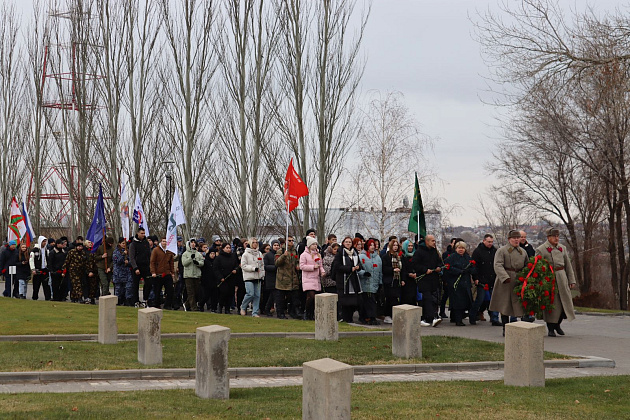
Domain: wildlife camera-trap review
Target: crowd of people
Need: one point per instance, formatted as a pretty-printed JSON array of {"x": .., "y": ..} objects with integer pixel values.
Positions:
[{"x": 282, "y": 278}]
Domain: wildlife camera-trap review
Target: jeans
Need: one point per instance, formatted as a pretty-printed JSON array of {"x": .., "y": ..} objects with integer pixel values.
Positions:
[
  {"x": 479, "y": 306},
  {"x": 252, "y": 294},
  {"x": 23, "y": 287}
]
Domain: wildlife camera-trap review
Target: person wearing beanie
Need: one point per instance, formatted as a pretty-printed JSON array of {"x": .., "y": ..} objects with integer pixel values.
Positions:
[
  {"x": 508, "y": 261},
  {"x": 312, "y": 273},
  {"x": 193, "y": 261}
]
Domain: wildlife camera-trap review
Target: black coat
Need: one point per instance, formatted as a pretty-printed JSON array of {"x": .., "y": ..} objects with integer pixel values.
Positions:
[
  {"x": 425, "y": 259},
  {"x": 388, "y": 271},
  {"x": 8, "y": 258},
  {"x": 409, "y": 291},
  {"x": 529, "y": 249},
  {"x": 460, "y": 296},
  {"x": 484, "y": 257},
  {"x": 348, "y": 284},
  {"x": 223, "y": 265},
  {"x": 140, "y": 255},
  {"x": 269, "y": 259},
  {"x": 56, "y": 259},
  {"x": 23, "y": 268},
  {"x": 207, "y": 271}
]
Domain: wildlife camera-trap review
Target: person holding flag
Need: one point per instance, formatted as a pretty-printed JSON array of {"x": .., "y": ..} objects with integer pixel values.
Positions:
[
  {"x": 417, "y": 223},
  {"x": 29, "y": 235}
]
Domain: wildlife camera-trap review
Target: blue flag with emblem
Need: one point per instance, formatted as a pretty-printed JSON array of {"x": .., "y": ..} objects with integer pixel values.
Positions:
[{"x": 96, "y": 232}]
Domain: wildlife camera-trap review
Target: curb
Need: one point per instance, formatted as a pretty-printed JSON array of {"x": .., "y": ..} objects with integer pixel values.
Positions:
[
  {"x": 244, "y": 372},
  {"x": 624, "y": 314},
  {"x": 132, "y": 337}
]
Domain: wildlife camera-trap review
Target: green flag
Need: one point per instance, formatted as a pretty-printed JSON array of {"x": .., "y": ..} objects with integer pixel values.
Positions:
[{"x": 417, "y": 212}]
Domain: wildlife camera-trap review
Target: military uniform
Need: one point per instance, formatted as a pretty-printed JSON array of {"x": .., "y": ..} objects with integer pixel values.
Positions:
[
  {"x": 287, "y": 282},
  {"x": 78, "y": 265},
  {"x": 508, "y": 261},
  {"x": 563, "y": 302}
]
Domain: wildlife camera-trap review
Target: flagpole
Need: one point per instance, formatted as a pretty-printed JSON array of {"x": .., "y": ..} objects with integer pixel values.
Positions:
[{"x": 286, "y": 238}]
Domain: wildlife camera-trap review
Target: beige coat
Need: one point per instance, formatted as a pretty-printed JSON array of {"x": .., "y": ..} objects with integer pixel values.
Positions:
[
  {"x": 564, "y": 277},
  {"x": 508, "y": 261}
]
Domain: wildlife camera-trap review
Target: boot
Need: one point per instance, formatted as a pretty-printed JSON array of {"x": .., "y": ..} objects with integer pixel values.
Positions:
[
  {"x": 558, "y": 329},
  {"x": 551, "y": 327},
  {"x": 504, "y": 320}
]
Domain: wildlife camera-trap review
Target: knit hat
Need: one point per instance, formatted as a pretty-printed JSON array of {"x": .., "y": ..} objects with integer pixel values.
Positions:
[
  {"x": 310, "y": 241},
  {"x": 275, "y": 241},
  {"x": 13, "y": 242},
  {"x": 216, "y": 238},
  {"x": 311, "y": 230},
  {"x": 202, "y": 240}
]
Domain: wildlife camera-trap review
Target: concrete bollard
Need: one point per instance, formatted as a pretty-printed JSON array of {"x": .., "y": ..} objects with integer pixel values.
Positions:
[
  {"x": 406, "y": 338},
  {"x": 326, "y": 326},
  {"x": 149, "y": 336},
  {"x": 107, "y": 327},
  {"x": 524, "y": 358},
  {"x": 212, "y": 380},
  {"x": 326, "y": 389}
]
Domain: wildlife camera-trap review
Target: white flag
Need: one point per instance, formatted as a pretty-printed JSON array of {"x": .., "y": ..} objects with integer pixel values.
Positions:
[
  {"x": 138, "y": 214},
  {"x": 124, "y": 207},
  {"x": 175, "y": 219}
]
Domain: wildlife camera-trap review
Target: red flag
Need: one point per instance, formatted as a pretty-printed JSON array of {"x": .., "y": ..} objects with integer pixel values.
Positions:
[{"x": 294, "y": 188}]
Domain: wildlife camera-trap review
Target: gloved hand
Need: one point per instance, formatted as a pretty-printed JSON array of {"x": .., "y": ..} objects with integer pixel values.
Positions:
[
  {"x": 366, "y": 274},
  {"x": 195, "y": 262}
]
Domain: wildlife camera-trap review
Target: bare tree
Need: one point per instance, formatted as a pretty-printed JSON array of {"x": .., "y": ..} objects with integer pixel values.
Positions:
[
  {"x": 12, "y": 109},
  {"x": 389, "y": 136},
  {"x": 191, "y": 32},
  {"x": 337, "y": 70}
]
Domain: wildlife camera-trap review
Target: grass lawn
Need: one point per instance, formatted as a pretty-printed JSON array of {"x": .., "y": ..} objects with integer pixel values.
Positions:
[
  {"x": 243, "y": 352},
  {"x": 601, "y": 311},
  {"x": 28, "y": 317},
  {"x": 575, "y": 398}
]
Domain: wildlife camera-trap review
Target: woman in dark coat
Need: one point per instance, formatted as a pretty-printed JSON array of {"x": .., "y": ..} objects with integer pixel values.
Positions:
[
  {"x": 269, "y": 259},
  {"x": 392, "y": 274},
  {"x": 347, "y": 266},
  {"x": 459, "y": 267},
  {"x": 225, "y": 269},
  {"x": 409, "y": 287},
  {"x": 208, "y": 280}
]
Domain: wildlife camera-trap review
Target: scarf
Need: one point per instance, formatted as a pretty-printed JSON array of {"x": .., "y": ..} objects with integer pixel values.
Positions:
[{"x": 396, "y": 263}]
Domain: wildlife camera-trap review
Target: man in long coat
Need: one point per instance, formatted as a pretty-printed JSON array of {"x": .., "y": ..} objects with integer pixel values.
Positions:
[
  {"x": 508, "y": 261},
  {"x": 556, "y": 254}
]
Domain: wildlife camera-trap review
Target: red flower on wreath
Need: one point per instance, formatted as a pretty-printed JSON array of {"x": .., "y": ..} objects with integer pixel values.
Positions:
[
  {"x": 530, "y": 265},
  {"x": 543, "y": 268},
  {"x": 560, "y": 248},
  {"x": 547, "y": 278},
  {"x": 542, "y": 307},
  {"x": 531, "y": 287},
  {"x": 535, "y": 275},
  {"x": 541, "y": 283},
  {"x": 531, "y": 313},
  {"x": 521, "y": 279},
  {"x": 546, "y": 292},
  {"x": 524, "y": 304}
]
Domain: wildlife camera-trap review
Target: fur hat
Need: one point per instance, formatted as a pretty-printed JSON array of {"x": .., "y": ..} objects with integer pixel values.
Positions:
[
  {"x": 552, "y": 231},
  {"x": 514, "y": 234}
]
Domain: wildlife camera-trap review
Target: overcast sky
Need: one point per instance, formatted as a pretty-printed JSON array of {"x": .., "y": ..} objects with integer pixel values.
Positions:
[{"x": 426, "y": 50}]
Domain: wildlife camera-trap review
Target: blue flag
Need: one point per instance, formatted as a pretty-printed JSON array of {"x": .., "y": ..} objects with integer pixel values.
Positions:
[{"x": 96, "y": 232}]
